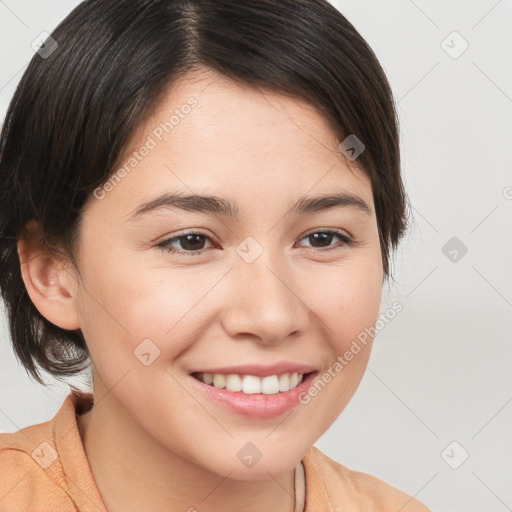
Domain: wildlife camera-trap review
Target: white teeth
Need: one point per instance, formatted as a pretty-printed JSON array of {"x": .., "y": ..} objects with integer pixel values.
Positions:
[
  {"x": 270, "y": 385},
  {"x": 251, "y": 384},
  {"x": 284, "y": 382},
  {"x": 233, "y": 383},
  {"x": 219, "y": 381}
]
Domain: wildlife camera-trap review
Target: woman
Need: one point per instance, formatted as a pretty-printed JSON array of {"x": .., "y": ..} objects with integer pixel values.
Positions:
[{"x": 201, "y": 199}]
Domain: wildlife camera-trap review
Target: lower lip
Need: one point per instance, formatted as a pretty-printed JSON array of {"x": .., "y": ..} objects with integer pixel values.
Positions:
[{"x": 256, "y": 405}]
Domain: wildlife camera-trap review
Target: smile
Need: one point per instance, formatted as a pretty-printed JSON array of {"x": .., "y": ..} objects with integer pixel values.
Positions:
[
  {"x": 251, "y": 384},
  {"x": 256, "y": 397}
]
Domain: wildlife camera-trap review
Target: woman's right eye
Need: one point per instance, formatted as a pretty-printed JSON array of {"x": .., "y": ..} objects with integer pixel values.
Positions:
[{"x": 191, "y": 244}]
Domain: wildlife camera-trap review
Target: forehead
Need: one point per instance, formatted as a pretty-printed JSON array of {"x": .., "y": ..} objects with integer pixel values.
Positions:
[
  {"x": 206, "y": 110},
  {"x": 209, "y": 133}
]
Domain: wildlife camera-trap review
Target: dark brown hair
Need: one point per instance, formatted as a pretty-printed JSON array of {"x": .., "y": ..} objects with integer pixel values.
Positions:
[{"x": 74, "y": 110}]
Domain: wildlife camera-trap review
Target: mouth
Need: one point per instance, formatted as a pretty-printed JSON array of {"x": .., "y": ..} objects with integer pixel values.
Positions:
[
  {"x": 251, "y": 395},
  {"x": 252, "y": 384}
]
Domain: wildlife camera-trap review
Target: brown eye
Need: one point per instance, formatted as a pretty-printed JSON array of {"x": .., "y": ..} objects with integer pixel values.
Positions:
[
  {"x": 321, "y": 240},
  {"x": 190, "y": 243}
]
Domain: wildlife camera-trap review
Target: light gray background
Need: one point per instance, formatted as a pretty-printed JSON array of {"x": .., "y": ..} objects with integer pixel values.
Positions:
[{"x": 440, "y": 371}]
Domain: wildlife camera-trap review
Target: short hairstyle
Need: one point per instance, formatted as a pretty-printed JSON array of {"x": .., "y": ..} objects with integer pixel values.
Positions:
[{"x": 73, "y": 112}]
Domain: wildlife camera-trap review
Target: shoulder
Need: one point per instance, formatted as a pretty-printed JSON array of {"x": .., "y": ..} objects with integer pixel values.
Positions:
[
  {"x": 339, "y": 486},
  {"x": 32, "y": 475},
  {"x": 25, "y": 476}
]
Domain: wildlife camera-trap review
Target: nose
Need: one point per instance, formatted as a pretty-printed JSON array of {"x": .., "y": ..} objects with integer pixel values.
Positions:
[{"x": 264, "y": 300}]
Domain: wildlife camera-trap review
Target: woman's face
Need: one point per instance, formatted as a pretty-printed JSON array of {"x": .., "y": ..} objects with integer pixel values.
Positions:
[{"x": 260, "y": 285}]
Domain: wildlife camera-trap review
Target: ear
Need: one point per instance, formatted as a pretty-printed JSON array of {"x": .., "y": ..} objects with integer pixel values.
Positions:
[{"x": 50, "y": 283}]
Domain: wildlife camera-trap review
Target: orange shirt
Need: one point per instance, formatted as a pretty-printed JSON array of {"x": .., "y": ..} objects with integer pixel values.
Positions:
[{"x": 44, "y": 468}]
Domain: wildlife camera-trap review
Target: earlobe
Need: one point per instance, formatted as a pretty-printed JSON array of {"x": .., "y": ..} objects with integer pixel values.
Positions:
[{"x": 49, "y": 284}]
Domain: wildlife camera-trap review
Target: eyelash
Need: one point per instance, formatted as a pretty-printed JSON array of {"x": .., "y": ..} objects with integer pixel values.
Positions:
[{"x": 166, "y": 245}]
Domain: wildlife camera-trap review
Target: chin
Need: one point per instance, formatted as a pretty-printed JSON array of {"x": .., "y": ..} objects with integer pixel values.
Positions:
[{"x": 270, "y": 465}]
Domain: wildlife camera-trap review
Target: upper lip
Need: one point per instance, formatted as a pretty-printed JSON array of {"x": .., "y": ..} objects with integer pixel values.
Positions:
[{"x": 260, "y": 370}]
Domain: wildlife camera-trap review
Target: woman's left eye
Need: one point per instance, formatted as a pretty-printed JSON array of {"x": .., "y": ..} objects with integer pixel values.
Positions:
[
  {"x": 327, "y": 236},
  {"x": 192, "y": 243}
]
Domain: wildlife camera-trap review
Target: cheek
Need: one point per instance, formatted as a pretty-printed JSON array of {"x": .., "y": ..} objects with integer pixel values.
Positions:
[
  {"x": 346, "y": 305},
  {"x": 125, "y": 302},
  {"x": 346, "y": 300}
]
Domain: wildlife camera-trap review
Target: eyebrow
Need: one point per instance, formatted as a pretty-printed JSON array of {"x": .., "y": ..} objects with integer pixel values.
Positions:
[{"x": 224, "y": 207}]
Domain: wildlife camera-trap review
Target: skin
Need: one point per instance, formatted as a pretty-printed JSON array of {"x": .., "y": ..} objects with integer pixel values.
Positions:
[{"x": 154, "y": 442}]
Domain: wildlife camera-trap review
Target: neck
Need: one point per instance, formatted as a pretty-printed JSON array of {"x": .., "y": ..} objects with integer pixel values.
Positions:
[{"x": 135, "y": 472}]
